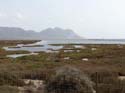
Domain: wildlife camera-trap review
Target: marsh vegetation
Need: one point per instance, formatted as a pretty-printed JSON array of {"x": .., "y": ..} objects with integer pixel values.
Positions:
[{"x": 103, "y": 64}]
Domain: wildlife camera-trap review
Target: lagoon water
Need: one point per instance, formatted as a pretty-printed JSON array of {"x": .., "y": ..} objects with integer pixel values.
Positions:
[
  {"x": 83, "y": 41},
  {"x": 44, "y": 48},
  {"x": 46, "y": 45}
]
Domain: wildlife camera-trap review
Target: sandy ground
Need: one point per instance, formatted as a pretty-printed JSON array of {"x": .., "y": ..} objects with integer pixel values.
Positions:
[
  {"x": 31, "y": 85},
  {"x": 121, "y": 77}
]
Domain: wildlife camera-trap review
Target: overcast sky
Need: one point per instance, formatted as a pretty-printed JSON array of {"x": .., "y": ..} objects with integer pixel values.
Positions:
[{"x": 89, "y": 18}]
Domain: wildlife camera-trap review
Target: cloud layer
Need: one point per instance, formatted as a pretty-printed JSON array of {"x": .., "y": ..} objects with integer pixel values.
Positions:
[{"x": 89, "y": 18}]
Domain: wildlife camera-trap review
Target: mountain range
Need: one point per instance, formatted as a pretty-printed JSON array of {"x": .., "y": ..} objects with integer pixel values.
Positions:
[{"x": 15, "y": 33}]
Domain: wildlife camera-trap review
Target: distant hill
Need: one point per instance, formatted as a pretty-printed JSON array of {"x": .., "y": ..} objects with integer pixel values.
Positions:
[
  {"x": 58, "y": 33},
  {"x": 13, "y": 33}
]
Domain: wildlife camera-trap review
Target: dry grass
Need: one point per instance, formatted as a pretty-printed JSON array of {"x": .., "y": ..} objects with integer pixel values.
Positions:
[{"x": 107, "y": 60}]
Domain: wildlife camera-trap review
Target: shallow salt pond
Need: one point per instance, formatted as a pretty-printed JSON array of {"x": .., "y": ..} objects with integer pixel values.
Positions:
[
  {"x": 32, "y": 48},
  {"x": 46, "y": 46},
  {"x": 43, "y": 48},
  {"x": 20, "y": 55}
]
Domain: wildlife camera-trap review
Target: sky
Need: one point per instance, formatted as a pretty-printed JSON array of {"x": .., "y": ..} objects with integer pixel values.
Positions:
[{"x": 88, "y": 18}]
